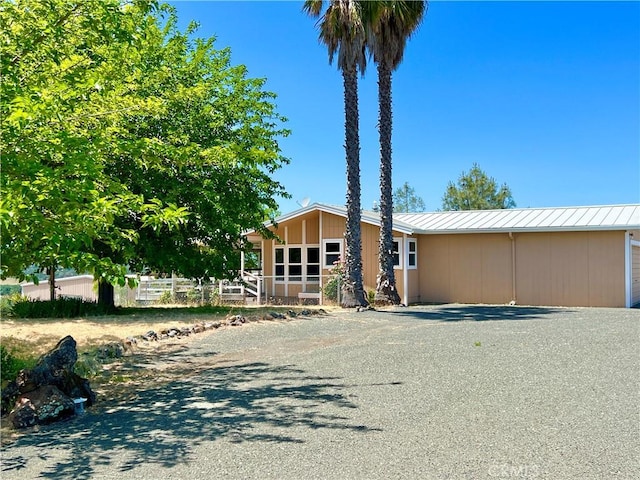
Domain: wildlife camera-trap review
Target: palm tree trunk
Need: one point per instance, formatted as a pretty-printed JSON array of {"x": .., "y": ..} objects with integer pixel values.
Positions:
[
  {"x": 386, "y": 291},
  {"x": 352, "y": 289}
]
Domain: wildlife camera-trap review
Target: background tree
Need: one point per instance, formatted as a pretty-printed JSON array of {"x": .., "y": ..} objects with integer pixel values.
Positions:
[
  {"x": 342, "y": 31},
  {"x": 125, "y": 143},
  {"x": 477, "y": 191},
  {"x": 405, "y": 200},
  {"x": 390, "y": 25}
]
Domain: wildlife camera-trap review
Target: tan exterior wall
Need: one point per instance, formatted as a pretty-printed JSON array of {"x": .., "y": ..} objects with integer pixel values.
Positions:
[
  {"x": 465, "y": 268},
  {"x": 571, "y": 269},
  {"x": 635, "y": 275},
  {"x": 555, "y": 269},
  {"x": 414, "y": 284}
]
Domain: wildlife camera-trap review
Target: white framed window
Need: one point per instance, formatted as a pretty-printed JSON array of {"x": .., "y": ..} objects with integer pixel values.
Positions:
[
  {"x": 313, "y": 264},
  {"x": 294, "y": 266},
  {"x": 332, "y": 252},
  {"x": 396, "y": 252},
  {"x": 412, "y": 253},
  {"x": 279, "y": 264},
  {"x": 297, "y": 263}
]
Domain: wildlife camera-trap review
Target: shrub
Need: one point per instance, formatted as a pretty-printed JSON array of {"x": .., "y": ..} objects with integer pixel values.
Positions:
[
  {"x": 371, "y": 297},
  {"x": 10, "y": 364},
  {"x": 194, "y": 296},
  {"x": 7, "y": 302},
  {"x": 332, "y": 287},
  {"x": 59, "y": 308},
  {"x": 166, "y": 298}
]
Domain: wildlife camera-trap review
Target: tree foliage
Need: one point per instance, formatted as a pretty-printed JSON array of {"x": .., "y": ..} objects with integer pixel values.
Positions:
[
  {"x": 475, "y": 190},
  {"x": 127, "y": 143},
  {"x": 405, "y": 200}
]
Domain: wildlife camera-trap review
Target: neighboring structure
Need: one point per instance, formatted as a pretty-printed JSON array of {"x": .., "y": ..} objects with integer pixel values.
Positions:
[
  {"x": 573, "y": 256},
  {"x": 80, "y": 286}
]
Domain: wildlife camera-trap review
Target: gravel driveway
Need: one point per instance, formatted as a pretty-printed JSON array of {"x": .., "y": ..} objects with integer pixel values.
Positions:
[{"x": 446, "y": 392}]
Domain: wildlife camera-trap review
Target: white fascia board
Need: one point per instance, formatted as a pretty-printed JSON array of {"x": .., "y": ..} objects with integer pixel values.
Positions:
[{"x": 604, "y": 228}]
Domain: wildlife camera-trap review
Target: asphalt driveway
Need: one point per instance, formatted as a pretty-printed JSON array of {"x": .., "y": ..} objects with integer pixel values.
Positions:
[{"x": 447, "y": 392}]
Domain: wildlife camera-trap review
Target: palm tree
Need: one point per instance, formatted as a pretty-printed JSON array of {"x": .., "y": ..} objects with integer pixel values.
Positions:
[
  {"x": 342, "y": 31},
  {"x": 392, "y": 24}
]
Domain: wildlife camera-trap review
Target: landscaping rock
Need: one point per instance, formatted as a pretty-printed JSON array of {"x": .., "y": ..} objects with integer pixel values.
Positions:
[
  {"x": 45, "y": 392},
  {"x": 150, "y": 336},
  {"x": 43, "y": 405},
  {"x": 110, "y": 351},
  {"x": 236, "y": 320}
]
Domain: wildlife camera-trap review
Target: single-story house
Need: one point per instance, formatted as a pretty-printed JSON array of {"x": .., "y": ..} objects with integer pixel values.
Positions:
[{"x": 567, "y": 256}]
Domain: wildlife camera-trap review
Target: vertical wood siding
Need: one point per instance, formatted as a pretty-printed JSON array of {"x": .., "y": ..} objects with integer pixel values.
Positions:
[
  {"x": 556, "y": 269},
  {"x": 635, "y": 275}
]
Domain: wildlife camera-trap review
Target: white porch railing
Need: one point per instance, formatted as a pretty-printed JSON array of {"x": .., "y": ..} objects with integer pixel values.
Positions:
[{"x": 251, "y": 287}]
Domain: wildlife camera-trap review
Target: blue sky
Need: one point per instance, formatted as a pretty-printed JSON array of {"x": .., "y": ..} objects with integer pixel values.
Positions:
[{"x": 544, "y": 96}]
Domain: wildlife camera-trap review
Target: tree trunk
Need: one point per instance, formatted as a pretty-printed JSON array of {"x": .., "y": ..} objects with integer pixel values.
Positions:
[
  {"x": 386, "y": 291},
  {"x": 51, "y": 271},
  {"x": 352, "y": 289},
  {"x": 106, "y": 295}
]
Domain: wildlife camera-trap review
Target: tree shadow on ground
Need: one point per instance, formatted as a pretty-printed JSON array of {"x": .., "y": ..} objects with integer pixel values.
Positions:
[
  {"x": 162, "y": 423},
  {"x": 479, "y": 313}
]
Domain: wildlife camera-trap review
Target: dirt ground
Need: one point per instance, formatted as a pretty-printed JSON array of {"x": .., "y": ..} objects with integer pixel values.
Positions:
[
  {"x": 43, "y": 334},
  {"x": 86, "y": 332}
]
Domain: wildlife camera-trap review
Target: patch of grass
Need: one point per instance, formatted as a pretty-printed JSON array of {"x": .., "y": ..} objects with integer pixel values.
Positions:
[
  {"x": 13, "y": 359},
  {"x": 477, "y": 344}
]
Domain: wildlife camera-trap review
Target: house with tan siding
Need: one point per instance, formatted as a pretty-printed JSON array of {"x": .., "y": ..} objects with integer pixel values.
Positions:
[{"x": 567, "y": 256}]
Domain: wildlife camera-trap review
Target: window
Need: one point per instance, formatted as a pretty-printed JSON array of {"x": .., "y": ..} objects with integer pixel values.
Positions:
[
  {"x": 289, "y": 264},
  {"x": 397, "y": 253},
  {"x": 313, "y": 264},
  {"x": 332, "y": 252},
  {"x": 412, "y": 254},
  {"x": 279, "y": 263},
  {"x": 295, "y": 264}
]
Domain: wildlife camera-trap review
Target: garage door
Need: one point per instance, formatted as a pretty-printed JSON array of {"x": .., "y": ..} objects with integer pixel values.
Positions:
[{"x": 635, "y": 274}]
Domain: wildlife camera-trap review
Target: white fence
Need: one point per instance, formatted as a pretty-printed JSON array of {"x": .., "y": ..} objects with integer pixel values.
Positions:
[{"x": 252, "y": 288}]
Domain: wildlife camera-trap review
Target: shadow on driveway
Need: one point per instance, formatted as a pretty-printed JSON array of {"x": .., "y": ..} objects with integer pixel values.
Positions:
[
  {"x": 164, "y": 422},
  {"x": 478, "y": 313}
]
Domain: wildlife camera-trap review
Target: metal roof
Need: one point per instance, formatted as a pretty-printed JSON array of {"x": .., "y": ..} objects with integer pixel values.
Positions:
[{"x": 602, "y": 217}]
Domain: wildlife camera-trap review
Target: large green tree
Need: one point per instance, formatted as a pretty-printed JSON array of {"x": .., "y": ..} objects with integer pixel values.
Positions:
[
  {"x": 214, "y": 147},
  {"x": 475, "y": 190},
  {"x": 126, "y": 143},
  {"x": 391, "y": 24},
  {"x": 56, "y": 196},
  {"x": 342, "y": 31}
]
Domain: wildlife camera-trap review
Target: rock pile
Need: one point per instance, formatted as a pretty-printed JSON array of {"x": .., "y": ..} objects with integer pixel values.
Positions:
[
  {"x": 232, "y": 321},
  {"x": 46, "y": 392}
]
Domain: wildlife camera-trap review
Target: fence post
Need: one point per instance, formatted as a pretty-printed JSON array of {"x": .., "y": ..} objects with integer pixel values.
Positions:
[{"x": 259, "y": 289}]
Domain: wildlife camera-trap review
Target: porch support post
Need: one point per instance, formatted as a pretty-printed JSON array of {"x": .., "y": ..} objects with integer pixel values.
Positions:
[{"x": 405, "y": 270}]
